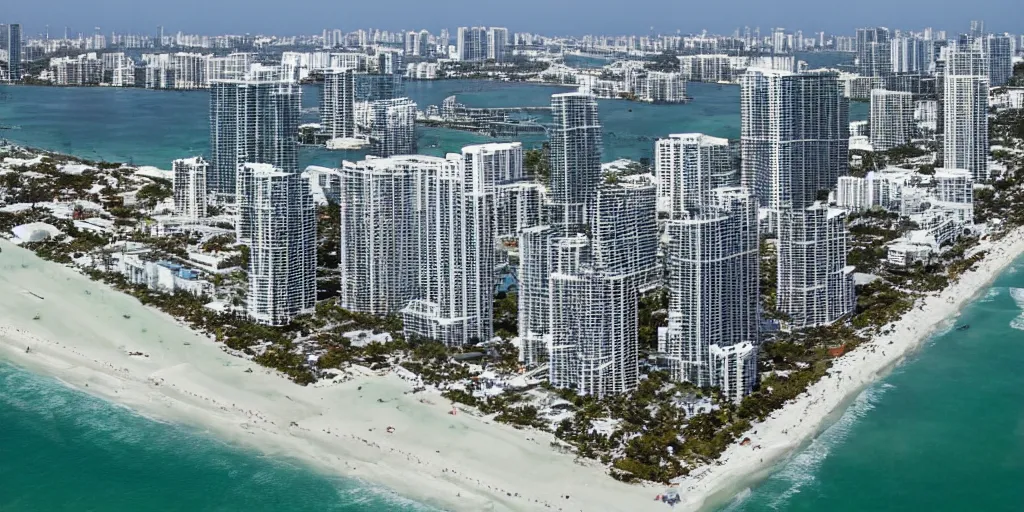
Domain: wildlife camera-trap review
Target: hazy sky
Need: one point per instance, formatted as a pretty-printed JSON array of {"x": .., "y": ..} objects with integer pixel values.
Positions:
[{"x": 546, "y": 16}]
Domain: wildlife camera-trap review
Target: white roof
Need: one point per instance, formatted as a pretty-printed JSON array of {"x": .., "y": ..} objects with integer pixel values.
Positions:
[
  {"x": 700, "y": 137},
  {"x": 35, "y": 232},
  {"x": 153, "y": 172}
]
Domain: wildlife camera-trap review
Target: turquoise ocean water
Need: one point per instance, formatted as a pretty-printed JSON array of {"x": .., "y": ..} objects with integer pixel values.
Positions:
[
  {"x": 943, "y": 432},
  {"x": 64, "y": 451}
]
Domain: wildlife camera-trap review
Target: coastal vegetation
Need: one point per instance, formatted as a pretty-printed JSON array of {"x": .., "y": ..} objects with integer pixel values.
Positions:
[
  {"x": 537, "y": 163},
  {"x": 667, "y": 61}
]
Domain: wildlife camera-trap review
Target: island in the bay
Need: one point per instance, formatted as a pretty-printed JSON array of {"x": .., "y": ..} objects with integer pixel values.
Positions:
[{"x": 515, "y": 326}]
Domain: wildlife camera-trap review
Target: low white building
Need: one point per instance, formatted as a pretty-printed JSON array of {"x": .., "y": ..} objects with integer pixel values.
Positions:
[
  {"x": 34, "y": 232},
  {"x": 1004, "y": 98},
  {"x": 903, "y": 253},
  {"x": 421, "y": 71},
  {"x": 162, "y": 276},
  {"x": 324, "y": 183}
]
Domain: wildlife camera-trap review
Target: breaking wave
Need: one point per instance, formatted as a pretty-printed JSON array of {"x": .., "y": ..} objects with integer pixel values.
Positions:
[
  {"x": 990, "y": 295},
  {"x": 800, "y": 472},
  {"x": 1018, "y": 297}
]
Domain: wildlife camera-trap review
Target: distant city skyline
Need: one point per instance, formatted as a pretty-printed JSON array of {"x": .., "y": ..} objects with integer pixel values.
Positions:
[{"x": 643, "y": 17}]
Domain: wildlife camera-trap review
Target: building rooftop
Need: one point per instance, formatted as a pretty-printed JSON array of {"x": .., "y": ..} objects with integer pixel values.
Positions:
[{"x": 700, "y": 137}]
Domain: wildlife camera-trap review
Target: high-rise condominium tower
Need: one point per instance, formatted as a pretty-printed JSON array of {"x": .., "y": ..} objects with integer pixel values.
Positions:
[
  {"x": 575, "y": 159},
  {"x": 418, "y": 237},
  {"x": 795, "y": 145},
  {"x": 392, "y": 127},
  {"x": 624, "y": 232},
  {"x": 874, "y": 57},
  {"x": 687, "y": 166},
  {"x": 190, "y": 187},
  {"x": 593, "y": 328},
  {"x": 282, "y": 246},
  {"x": 534, "y": 295},
  {"x": 479, "y": 44},
  {"x": 795, "y": 136},
  {"x": 10, "y": 40},
  {"x": 457, "y": 258},
  {"x": 892, "y": 119},
  {"x": 1000, "y": 59},
  {"x": 911, "y": 55},
  {"x": 815, "y": 286},
  {"x": 712, "y": 259},
  {"x": 965, "y": 105},
  {"x": 337, "y": 104},
  {"x": 580, "y": 275},
  {"x": 252, "y": 120}
]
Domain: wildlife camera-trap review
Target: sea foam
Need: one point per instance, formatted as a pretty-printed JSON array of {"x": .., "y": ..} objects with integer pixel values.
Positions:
[
  {"x": 1018, "y": 297},
  {"x": 800, "y": 471}
]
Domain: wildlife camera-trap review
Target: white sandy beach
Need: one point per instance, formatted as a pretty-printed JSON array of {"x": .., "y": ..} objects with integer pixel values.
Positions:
[
  {"x": 455, "y": 462},
  {"x": 802, "y": 419}
]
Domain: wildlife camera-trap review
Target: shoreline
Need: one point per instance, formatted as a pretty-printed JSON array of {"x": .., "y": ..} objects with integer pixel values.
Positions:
[
  {"x": 799, "y": 422},
  {"x": 456, "y": 462},
  {"x": 193, "y": 380}
]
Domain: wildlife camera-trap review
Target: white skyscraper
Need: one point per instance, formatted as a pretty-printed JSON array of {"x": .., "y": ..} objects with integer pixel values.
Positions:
[
  {"x": 337, "y": 104},
  {"x": 910, "y": 55},
  {"x": 534, "y": 292},
  {"x": 687, "y": 166},
  {"x": 252, "y": 120},
  {"x": 575, "y": 159},
  {"x": 282, "y": 250},
  {"x": 795, "y": 136},
  {"x": 892, "y": 119},
  {"x": 954, "y": 192},
  {"x": 10, "y": 42},
  {"x": 815, "y": 286},
  {"x": 873, "y": 52},
  {"x": 392, "y": 127},
  {"x": 379, "y": 237},
  {"x": 580, "y": 276},
  {"x": 419, "y": 235},
  {"x": 516, "y": 201},
  {"x": 190, "y": 187},
  {"x": 593, "y": 325},
  {"x": 712, "y": 259},
  {"x": 624, "y": 232},
  {"x": 457, "y": 261},
  {"x": 965, "y": 105},
  {"x": 472, "y": 44},
  {"x": 497, "y": 44},
  {"x": 519, "y": 206}
]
